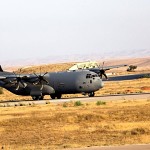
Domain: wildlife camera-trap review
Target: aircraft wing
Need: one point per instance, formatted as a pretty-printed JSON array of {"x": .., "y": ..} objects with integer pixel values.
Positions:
[
  {"x": 128, "y": 77},
  {"x": 115, "y": 66},
  {"x": 13, "y": 77},
  {"x": 2, "y": 78}
]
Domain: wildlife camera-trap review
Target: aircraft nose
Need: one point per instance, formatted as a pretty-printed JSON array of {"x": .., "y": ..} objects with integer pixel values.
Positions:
[{"x": 99, "y": 84}]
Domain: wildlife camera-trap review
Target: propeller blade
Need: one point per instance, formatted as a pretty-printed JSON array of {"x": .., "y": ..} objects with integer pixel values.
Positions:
[
  {"x": 40, "y": 78},
  {"x": 36, "y": 75},
  {"x": 41, "y": 87},
  {"x": 17, "y": 88},
  {"x": 23, "y": 84},
  {"x": 105, "y": 75},
  {"x": 102, "y": 73},
  {"x": 45, "y": 80},
  {"x": 45, "y": 73}
]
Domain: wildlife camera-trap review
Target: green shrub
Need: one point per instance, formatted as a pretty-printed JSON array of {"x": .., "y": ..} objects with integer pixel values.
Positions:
[
  {"x": 132, "y": 68},
  {"x": 100, "y": 103},
  {"x": 78, "y": 103},
  {"x": 65, "y": 104}
]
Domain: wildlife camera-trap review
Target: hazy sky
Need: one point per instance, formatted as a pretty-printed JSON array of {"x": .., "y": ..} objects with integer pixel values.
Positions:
[{"x": 40, "y": 28}]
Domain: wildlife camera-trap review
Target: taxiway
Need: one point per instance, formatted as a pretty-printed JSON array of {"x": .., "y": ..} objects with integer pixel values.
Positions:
[{"x": 145, "y": 96}]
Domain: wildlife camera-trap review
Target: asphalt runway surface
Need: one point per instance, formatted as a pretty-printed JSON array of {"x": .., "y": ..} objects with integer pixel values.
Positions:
[
  {"x": 125, "y": 147},
  {"x": 145, "y": 96},
  {"x": 127, "y": 77}
]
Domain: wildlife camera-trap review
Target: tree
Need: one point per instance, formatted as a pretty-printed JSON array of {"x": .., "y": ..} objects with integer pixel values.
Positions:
[{"x": 132, "y": 68}]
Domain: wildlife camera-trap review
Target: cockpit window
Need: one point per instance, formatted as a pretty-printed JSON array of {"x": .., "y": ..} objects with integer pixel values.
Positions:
[
  {"x": 94, "y": 75},
  {"x": 91, "y": 76},
  {"x": 88, "y": 76}
]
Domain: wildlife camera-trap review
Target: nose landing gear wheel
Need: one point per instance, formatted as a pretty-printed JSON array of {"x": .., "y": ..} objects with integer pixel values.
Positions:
[
  {"x": 54, "y": 96},
  {"x": 37, "y": 97},
  {"x": 91, "y": 94}
]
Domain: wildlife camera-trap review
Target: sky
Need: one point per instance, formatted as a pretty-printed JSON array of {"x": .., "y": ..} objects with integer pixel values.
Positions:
[{"x": 41, "y": 28}]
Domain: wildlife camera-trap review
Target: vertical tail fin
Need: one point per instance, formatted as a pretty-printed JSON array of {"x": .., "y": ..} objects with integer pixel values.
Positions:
[{"x": 1, "y": 70}]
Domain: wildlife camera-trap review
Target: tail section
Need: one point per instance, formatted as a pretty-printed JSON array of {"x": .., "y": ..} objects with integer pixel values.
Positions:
[{"x": 1, "y": 70}]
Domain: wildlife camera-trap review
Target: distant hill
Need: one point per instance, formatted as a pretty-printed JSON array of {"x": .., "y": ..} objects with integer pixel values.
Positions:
[
  {"x": 101, "y": 56},
  {"x": 143, "y": 64}
]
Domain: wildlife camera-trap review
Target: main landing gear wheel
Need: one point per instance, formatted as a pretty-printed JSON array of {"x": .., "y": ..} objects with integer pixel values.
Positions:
[
  {"x": 91, "y": 94},
  {"x": 54, "y": 96},
  {"x": 37, "y": 97}
]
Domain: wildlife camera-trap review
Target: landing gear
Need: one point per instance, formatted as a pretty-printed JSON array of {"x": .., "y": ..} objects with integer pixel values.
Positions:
[
  {"x": 91, "y": 94},
  {"x": 38, "y": 97},
  {"x": 41, "y": 97},
  {"x": 54, "y": 96}
]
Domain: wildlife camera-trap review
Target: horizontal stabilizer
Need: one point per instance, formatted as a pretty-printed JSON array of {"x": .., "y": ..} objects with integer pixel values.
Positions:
[{"x": 1, "y": 70}]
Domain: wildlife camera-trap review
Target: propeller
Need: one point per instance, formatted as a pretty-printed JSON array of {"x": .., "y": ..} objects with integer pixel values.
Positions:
[
  {"x": 102, "y": 71},
  {"x": 17, "y": 80},
  {"x": 40, "y": 79}
]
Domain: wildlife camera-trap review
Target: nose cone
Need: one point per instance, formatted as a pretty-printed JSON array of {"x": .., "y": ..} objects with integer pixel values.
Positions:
[{"x": 98, "y": 84}]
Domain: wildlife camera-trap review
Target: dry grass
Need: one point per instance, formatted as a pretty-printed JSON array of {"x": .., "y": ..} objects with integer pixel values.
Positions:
[
  {"x": 126, "y": 87},
  {"x": 58, "y": 127}
]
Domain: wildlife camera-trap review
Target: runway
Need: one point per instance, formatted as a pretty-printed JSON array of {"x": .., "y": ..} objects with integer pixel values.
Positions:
[
  {"x": 145, "y": 96},
  {"x": 125, "y": 147}
]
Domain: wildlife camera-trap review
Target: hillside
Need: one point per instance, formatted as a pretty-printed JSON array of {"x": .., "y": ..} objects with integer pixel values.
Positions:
[
  {"x": 68, "y": 57},
  {"x": 141, "y": 63}
]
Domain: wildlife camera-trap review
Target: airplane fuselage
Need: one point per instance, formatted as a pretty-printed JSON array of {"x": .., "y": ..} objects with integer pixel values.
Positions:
[{"x": 58, "y": 83}]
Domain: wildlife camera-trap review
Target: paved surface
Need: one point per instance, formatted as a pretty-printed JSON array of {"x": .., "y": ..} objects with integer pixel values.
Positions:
[
  {"x": 126, "y": 147},
  {"x": 145, "y": 96},
  {"x": 127, "y": 77}
]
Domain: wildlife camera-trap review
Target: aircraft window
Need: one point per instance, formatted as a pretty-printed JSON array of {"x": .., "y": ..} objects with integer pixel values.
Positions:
[
  {"x": 84, "y": 82},
  {"x": 95, "y": 75},
  {"x": 90, "y": 81},
  {"x": 80, "y": 87},
  {"x": 88, "y": 76}
]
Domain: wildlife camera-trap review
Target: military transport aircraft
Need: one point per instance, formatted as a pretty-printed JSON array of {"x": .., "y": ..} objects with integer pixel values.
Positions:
[
  {"x": 51, "y": 83},
  {"x": 57, "y": 83}
]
